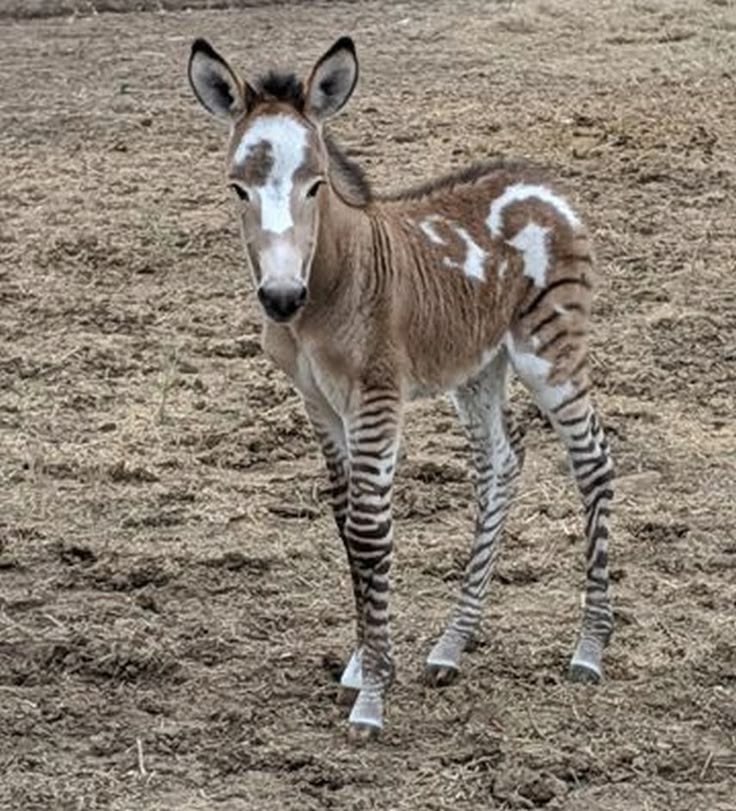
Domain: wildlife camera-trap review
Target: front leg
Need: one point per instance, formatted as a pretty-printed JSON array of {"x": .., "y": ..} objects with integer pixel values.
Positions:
[
  {"x": 329, "y": 430},
  {"x": 373, "y": 432},
  {"x": 330, "y": 434}
]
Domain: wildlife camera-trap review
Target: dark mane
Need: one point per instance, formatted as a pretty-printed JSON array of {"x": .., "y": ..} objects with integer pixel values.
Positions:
[
  {"x": 281, "y": 87},
  {"x": 348, "y": 178},
  {"x": 468, "y": 175}
]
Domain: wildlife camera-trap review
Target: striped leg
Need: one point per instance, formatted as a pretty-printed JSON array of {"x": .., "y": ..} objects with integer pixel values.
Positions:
[
  {"x": 571, "y": 413},
  {"x": 373, "y": 438},
  {"x": 497, "y": 458},
  {"x": 330, "y": 434},
  {"x": 279, "y": 345},
  {"x": 592, "y": 467}
]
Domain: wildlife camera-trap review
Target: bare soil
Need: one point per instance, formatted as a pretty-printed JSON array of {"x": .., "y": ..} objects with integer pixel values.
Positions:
[{"x": 174, "y": 606}]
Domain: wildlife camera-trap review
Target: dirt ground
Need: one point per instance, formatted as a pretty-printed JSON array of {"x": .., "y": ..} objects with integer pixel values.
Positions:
[{"x": 174, "y": 605}]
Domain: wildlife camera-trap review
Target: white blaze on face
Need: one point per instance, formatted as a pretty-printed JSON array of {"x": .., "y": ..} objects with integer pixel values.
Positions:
[
  {"x": 531, "y": 241},
  {"x": 287, "y": 139},
  {"x": 280, "y": 263}
]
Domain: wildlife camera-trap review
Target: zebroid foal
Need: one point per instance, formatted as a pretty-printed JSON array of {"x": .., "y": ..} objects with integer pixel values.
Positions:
[{"x": 371, "y": 301}]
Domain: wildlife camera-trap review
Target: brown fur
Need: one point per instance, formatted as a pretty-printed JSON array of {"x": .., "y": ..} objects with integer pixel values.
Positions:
[
  {"x": 380, "y": 295},
  {"x": 258, "y": 165}
]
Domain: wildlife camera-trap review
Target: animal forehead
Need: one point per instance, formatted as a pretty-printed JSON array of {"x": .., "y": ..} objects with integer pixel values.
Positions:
[{"x": 273, "y": 147}]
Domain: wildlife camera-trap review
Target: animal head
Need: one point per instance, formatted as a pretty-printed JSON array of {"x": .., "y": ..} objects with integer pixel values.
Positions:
[{"x": 277, "y": 161}]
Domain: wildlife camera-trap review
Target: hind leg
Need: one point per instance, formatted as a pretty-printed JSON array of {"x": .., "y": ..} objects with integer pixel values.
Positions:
[
  {"x": 497, "y": 459},
  {"x": 570, "y": 411},
  {"x": 593, "y": 470}
]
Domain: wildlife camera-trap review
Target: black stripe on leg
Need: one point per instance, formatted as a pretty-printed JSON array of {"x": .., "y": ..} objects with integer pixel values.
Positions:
[
  {"x": 555, "y": 339},
  {"x": 578, "y": 368},
  {"x": 604, "y": 478},
  {"x": 376, "y": 532},
  {"x": 553, "y": 316},
  {"x": 583, "y": 392},
  {"x": 539, "y": 298}
]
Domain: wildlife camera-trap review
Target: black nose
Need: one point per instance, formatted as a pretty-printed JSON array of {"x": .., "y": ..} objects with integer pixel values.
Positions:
[{"x": 280, "y": 304}]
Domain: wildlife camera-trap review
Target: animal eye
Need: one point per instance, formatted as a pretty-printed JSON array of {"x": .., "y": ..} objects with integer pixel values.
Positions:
[
  {"x": 241, "y": 192},
  {"x": 314, "y": 188}
]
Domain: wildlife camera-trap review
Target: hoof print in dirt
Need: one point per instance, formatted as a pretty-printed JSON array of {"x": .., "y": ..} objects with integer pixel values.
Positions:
[{"x": 76, "y": 555}]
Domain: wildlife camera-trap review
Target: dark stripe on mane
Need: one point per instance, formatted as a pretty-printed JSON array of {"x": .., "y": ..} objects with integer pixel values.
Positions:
[
  {"x": 468, "y": 175},
  {"x": 281, "y": 87}
]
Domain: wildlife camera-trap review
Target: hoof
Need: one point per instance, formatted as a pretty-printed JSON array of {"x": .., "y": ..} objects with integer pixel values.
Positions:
[
  {"x": 361, "y": 734},
  {"x": 346, "y": 696},
  {"x": 584, "y": 673},
  {"x": 440, "y": 675}
]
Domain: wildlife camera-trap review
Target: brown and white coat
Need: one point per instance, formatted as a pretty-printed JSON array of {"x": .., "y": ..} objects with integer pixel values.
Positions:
[{"x": 371, "y": 301}]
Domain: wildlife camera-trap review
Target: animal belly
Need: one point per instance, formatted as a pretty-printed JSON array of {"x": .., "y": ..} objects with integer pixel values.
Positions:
[{"x": 440, "y": 381}]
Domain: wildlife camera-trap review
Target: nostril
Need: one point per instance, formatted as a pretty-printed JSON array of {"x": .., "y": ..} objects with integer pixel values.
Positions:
[{"x": 281, "y": 304}]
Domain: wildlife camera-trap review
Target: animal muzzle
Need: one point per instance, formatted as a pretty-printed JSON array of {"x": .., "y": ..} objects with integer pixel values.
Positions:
[{"x": 282, "y": 303}]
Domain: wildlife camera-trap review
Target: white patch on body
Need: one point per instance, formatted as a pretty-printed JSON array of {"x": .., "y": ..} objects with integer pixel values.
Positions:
[
  {"x": 531, "y": 241},
  {"x": 502, "y": 268},
  {"x": 534, "y": 371},
  {"x": 523, "y": 191},
  {"x": 475, "y": 256},
  {"x": 287, "y": 139},
  {"x": 428, "y": 229}
]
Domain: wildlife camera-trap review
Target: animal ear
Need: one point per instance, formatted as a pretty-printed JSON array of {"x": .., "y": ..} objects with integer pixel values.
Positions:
[
  {"x": 215, "y": 84},
  {"x": 332, "y": 80}
]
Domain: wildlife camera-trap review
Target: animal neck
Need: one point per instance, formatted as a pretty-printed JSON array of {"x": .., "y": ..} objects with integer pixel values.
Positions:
[{"x": 341, "y": 253}]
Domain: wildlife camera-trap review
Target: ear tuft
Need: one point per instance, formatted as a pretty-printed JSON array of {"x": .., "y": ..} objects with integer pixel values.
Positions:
[
  {"x": 332, "y": 80},
  {"x": 343, "y": 43},
  {"x": 201, "y": 45},
  {"x": 214, "y": 82}
]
